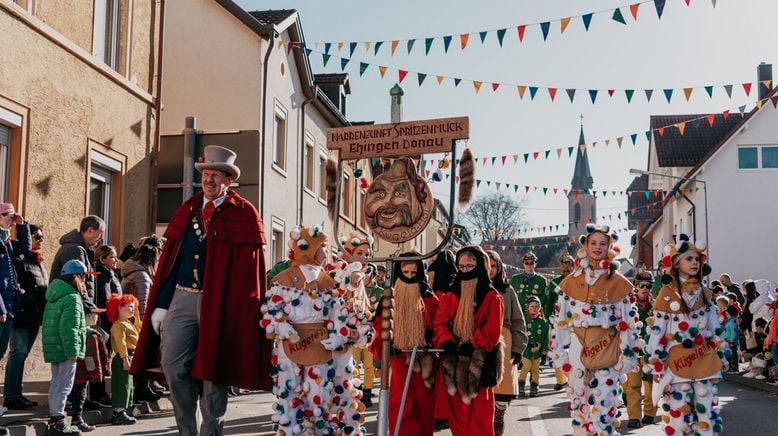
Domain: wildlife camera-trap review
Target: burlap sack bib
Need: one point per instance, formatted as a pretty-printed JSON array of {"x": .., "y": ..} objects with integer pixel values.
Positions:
[
  {"x": 600, "y": 347},
  {"x": 308, "y": 350},
  {"x": 700, "y": 361}
]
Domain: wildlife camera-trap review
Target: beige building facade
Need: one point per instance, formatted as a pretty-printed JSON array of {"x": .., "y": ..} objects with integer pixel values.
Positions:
[
  {"x": 77, "y": 113},
  {"x": 261, "y": 100}
]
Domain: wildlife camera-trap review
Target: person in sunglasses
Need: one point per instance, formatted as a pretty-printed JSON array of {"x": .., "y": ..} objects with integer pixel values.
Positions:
[
  {"x": 9, "y": 287},
  {"x": 528, "y": 283},
  {"x": 638, "y": 379}
]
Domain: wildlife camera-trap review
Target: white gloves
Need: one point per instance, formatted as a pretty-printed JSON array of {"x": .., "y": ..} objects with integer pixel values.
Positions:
[
  {"x": 157, "y": 317},
  {"x": 333, "y": 342}
]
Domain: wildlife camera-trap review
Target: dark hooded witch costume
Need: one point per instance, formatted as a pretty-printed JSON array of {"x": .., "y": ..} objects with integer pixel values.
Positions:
[
  {"x": 467, "y": 326},
  {"x": 414, "y": 309}
]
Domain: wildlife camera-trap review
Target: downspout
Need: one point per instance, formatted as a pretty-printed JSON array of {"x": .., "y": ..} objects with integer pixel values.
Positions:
[
  {"x": 263, "y": 124},
  {"x": 694, "y": 215},
  {"x": 302, "y": 151},
  {"x": 152, "y": 217}
]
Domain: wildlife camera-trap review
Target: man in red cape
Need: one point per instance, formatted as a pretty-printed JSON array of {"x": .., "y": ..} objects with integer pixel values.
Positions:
[{"x": 211, "y": 279}]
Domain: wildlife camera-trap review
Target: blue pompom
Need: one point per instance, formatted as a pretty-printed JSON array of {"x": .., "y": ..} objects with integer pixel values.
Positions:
[
  {"x": 683, "y": 237},
  {"x": 590, "y": 228}
]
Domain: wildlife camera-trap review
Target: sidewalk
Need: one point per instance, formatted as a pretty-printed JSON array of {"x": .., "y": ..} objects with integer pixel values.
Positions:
[{"x": 33, "y": 421}]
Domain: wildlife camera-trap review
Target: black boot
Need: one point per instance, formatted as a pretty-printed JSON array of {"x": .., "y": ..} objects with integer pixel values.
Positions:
[
  {"x": 522, "y": 392},
  {"x": 499, "y": 422},
  {"x": 533, "y": 389},
  {"x": 367, "y": 397}
]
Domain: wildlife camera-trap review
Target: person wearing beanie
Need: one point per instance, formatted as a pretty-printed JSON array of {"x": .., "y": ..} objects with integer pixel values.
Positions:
[
  {"x": 596, "y": 334},
  {"x": 566, "y": 265},
  {"x": 637, "y": 380},
  {"x": 686, "y": 352},
  {"x": 415, "y": 306},
  {"x": 514, "y": 335},
  {"x": 537, "y": 327},
  {"x": 303, "y": 315},
  {"x": 528, "y": 282},
  {"x": 467, "y": 327}
]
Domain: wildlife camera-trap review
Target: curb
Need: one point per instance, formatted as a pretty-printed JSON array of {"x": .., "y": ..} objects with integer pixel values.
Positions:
[
  {"x": 38, "y": 426},
  {"x": 761, "y": 385}
]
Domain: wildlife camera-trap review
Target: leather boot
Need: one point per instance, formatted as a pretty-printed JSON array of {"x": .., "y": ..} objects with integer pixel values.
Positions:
[
  {"x": 522, "y": 391},
  {"x": 533, "y": 390},
  {"x": 499, "y": 422}
]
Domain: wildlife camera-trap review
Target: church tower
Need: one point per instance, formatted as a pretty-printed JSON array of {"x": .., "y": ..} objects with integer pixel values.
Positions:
[{"x": 582, "y": 205}]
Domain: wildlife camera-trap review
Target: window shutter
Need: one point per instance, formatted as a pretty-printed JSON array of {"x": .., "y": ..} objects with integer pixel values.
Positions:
[{"x": 5, "y": 135}]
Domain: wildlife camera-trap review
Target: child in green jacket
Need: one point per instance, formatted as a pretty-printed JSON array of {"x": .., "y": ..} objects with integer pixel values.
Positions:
[
  {"x": 537, "y": 347},
  {"x": 64, "y": 339}
]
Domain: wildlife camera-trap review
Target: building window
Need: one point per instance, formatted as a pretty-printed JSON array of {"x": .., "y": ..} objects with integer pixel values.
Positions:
[
  {"x": 310, "y": 167},
  {"x": 577, "y": 213},
  {"x": 747, "y": 158},
  {"x": 323, "y": 177},
  {"x": 106, "y": 32},
  {"x": 769, "y": 157},
  {"x": 278, "y": 247},
  {"x": 104, "y": 189},
  {"x": 279, "y": 138},
  {"x": 5, "y": 159},
  {"x": 100, "y": 196},
  {"x": 345, "y": 199}
]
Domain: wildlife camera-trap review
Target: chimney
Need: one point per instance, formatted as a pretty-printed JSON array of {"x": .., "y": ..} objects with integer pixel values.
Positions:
[
  {"x": 397, "y": 112},
  {"x": 764, "y": 72}
]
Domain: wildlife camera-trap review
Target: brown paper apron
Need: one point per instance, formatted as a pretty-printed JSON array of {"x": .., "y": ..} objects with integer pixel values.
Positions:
[
  {"x": 699, "y": 362},
  {"x": 308, "y": 350},
  {"x": 600, "y": 347},
  {"x": 508, "y": 384}
]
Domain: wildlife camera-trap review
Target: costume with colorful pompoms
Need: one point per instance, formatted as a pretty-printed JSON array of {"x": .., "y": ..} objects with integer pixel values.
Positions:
[
  {"x": 595, "y": 302},
  {"x": 685, "y": 351},
  {"x": 300, "y": 297}
]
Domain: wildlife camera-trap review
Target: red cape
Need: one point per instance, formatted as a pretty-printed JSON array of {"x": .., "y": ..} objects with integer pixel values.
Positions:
[{"x": 231, "y": 348}]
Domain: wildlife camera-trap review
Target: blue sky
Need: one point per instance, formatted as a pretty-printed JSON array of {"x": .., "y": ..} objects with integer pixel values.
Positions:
[{"x": 691, "y": 46}]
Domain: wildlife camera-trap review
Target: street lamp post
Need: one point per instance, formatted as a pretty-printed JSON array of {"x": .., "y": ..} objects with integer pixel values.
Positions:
[{"x": 637, "y": 172}]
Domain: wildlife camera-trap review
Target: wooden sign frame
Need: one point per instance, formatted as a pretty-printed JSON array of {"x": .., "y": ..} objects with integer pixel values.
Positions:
[{"x": 400, "y": 139}]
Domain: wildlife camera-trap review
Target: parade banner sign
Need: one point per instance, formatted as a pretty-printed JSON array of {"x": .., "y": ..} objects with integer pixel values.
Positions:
[{"x": 400, "y": 139}]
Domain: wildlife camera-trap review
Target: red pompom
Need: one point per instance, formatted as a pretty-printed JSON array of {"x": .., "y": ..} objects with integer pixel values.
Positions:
[
  {"x": 609, "y": 382},
  {"x": 308, "y": 413},
  {"x": 663, "y": 341},
  {"x": 264, "y": 323},
  {"x": 667, "y": 262},
  {"x": 623, "y": 326},
  {"x": 669, "y": 430},
  {"x": 699, "y": 340},
  {"x": 675, "y": 413},
  {"x": 316, "y": 400},
  {"x": 343, "y": 331},
  {"x": 295, "y": 402},
  {"x": 683, "y": 325},
  {"x": 605, "y": 264},
  {"x": 567, "y": 367},
  {"x": 276, "y": 298},
  {"x": 658, "y": 367}
]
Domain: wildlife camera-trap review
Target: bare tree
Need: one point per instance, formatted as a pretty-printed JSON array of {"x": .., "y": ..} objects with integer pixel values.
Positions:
[{"x": 497, "y": 214}]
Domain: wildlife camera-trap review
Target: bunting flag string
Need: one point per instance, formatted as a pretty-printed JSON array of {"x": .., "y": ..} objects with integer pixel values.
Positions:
[
  {"x": 561, "y": 23},
  {"x": 525, "y": 189},
  {"x": 534, "y": 90},
  {"x": 539, "y": 230},
  {"x": 708, "y": 120}
]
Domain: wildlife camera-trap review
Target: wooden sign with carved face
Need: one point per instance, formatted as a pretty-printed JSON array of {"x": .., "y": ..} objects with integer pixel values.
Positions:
[{"x": 399, "y": 203}]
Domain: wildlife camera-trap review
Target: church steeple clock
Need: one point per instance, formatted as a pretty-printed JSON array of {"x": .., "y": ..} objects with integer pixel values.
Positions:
[{"x": 582, "y": 205}]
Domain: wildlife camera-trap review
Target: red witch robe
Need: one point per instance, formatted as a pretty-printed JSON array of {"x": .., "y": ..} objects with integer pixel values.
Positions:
[
  {"x": 418, "y": 416},
  {"x": 231, "y": 347},
  {"x": 476, "y": 418}
]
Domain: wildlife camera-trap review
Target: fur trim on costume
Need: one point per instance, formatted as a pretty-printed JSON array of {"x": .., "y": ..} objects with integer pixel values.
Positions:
[
  {"x": 448, "y": 365},
  {"x": 463, "y": 378},
  {"x": 425, "y": 364},
  {"x": 331, "y": 169},
  {"x": 474, "y": 375},
  {"x": 500, "y": 359},
  {"x": 466, "y": 178}
]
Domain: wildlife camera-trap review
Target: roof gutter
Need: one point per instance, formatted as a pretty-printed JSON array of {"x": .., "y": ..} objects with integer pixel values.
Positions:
[{"x": 302, "y": 151}]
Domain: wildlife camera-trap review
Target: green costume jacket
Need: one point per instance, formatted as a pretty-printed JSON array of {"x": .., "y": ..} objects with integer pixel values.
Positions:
[
  {"x": 537, "y": 329},
  {"x": 535, "y": 286}
]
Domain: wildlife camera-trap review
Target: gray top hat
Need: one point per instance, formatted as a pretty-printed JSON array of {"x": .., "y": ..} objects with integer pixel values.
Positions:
[{"x": 219, "y": 158}]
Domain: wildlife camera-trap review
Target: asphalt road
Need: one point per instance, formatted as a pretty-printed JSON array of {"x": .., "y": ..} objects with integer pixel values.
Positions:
[{"x": 745, "y": 411}]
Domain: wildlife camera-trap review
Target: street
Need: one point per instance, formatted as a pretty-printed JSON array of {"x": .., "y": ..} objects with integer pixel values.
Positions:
[{"x": 745, "y": 411}]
